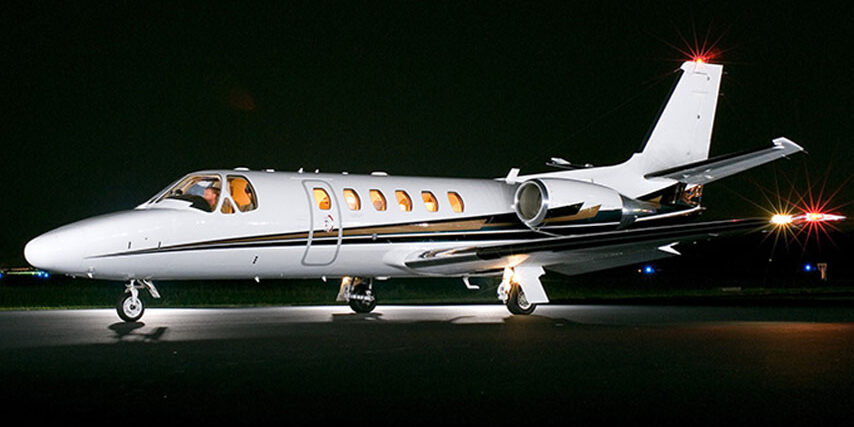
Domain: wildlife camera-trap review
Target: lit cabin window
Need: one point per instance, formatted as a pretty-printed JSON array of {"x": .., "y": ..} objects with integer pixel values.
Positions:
[
  {"x": 456, "y": 201},
  {"x": 202, "y": 191},
  {"x": 227, "y": 207},
  {"x": 430, "y": 201},
  {"x": 403, "y": 200},
  {"x": 352, "y": 199},
  {"x": 378, "y": 200},
  {"x": 322, "y": 199},
  {"x": 242, "y": 193}
]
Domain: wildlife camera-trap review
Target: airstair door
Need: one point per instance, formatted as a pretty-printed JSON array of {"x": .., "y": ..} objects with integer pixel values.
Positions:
[{"x": 324, "y": 228}]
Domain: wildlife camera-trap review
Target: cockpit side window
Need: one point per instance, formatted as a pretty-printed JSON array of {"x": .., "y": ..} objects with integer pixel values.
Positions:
[
  {"x": 227, "y": 208},
  {"x": 242, "y": 193},
  {"x": 202, "y": 191}
]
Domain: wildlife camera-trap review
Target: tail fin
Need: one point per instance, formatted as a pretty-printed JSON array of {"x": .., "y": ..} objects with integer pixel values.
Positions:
[
  {"x": 678, "y": 145},
  {"x": 683, "y": 131}
]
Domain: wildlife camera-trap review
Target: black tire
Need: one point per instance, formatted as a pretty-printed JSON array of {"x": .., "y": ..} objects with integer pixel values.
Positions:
[
  {"x": 362, "y": 306},
  {"x": 130, "y": 311},
  {"x": 517, "y": 304}
]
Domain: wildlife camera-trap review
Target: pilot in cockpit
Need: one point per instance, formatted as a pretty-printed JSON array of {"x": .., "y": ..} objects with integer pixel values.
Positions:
[{"x": 211, "y": 196}]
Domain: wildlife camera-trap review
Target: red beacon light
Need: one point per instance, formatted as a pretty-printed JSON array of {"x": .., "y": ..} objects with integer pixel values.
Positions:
[
  {"x": 821, "y": 217},
  {"x": 813, "y": 216}
]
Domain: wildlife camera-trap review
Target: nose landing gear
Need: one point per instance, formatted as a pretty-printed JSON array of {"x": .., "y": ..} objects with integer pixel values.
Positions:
[{"x": 130, "y": 306}]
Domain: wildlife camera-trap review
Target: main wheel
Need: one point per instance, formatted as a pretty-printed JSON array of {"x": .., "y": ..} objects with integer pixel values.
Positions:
[
  {"x": 130, "y": 308},
  {"x": 517, "y": 303},
  {"x": 360, "y": 305}
]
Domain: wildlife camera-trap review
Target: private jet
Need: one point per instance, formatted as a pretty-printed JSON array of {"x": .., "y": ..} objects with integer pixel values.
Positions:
[{"x": 264, "y": 224}]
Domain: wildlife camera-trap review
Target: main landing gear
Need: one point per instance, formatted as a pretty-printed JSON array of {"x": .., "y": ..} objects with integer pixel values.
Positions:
[
  {"x": 359, "y": 293},
  {"x": 511, "y": 290},
  {"x": 130, "y": 306}
]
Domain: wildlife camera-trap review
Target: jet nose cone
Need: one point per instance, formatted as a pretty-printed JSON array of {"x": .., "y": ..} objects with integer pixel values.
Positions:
[
  {"x": 42, "y": 252},
  {"x": 55, "y": 251}
]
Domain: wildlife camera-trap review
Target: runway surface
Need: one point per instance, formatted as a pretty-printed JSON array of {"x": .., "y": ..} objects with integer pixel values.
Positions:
[{"x": 451, "y": 364}]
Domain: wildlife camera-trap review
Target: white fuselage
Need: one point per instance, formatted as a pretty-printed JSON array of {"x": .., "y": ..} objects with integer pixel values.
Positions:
[{"x": 288, "y": 235}]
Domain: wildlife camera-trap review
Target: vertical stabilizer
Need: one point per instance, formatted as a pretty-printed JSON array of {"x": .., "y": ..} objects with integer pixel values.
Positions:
[{"x": 683, "y": 131}]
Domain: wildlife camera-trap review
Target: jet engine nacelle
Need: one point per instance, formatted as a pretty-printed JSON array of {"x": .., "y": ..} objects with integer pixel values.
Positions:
[{"x": 543, "y": 200}]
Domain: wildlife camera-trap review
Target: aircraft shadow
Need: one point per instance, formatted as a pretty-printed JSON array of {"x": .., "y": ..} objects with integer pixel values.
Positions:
[{"x": 126, "y": 331}]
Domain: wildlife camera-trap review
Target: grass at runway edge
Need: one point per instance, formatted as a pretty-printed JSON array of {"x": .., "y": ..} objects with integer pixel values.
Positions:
[{"x": 61, "y": 292}]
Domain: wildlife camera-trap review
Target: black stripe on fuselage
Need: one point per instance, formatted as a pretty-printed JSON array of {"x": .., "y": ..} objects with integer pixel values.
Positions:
[{"x": 493, "y": 227}]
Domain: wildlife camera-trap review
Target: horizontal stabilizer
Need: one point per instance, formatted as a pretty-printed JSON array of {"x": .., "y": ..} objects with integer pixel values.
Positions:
[{"x": 723, "y": 166}]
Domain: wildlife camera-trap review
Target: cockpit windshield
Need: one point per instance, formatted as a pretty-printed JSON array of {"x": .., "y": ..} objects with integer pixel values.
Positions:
[{"x": 202, "y": 191}]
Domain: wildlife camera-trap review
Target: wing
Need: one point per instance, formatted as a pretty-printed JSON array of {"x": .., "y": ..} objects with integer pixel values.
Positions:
[
  {"x": 579, "y": 253},
  {"x": 721, "y": 167}
]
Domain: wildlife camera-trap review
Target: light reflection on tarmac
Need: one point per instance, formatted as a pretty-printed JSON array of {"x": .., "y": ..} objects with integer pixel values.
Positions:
[
  {"x": 77, "y": 327},
  {"x": 453, "y": 364}
]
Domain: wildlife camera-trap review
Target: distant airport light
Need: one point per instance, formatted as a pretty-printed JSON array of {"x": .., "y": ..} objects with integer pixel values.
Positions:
[
  {"x": 808, "y": 268},
  {"x": 782, "y": 219},
  {"x": 814, "y": 216},
  {"x": 809, "y": 217},
  {"x": 647, "y": 269}
]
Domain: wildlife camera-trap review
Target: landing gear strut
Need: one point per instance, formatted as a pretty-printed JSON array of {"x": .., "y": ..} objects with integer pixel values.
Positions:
[
  {"x": 130, "y": 306},
  {"x": 359, "y": 293}
]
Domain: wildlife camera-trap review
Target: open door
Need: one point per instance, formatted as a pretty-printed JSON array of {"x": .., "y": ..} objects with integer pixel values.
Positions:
[{"x": 324, "y": 228}]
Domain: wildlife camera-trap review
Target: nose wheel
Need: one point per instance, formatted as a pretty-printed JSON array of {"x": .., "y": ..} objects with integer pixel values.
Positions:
[{"x": 130, "y": 306}]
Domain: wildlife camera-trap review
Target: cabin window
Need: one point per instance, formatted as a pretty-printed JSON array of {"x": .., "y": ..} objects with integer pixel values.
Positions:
[
  {"x": 352, "y": 199},
  {"x": 227, "y": 207},
  {"x": 456, "y": 201},
  {"x": 322, "y": 199},
  {"x": 430, "y": 201},
  {"x": 403, "y": 200},
  {"x": 242, "y": 193},
  {"x": 378, "y": 200},
  {"x": 202, "y": 191}
]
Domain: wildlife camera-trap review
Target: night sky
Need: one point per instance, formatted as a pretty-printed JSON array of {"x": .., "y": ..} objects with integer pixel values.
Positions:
[{"x": 105, "y": 104}]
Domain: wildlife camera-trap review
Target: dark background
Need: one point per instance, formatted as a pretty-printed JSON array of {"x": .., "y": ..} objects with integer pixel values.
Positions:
[{"x": 104, "y": 104}]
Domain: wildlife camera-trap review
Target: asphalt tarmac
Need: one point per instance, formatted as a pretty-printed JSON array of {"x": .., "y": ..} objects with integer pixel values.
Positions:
[{"x": 431, "y": 364}]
